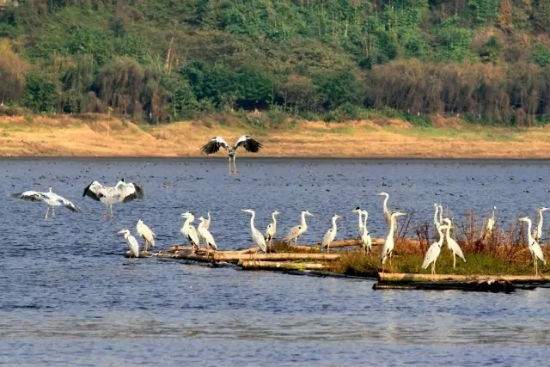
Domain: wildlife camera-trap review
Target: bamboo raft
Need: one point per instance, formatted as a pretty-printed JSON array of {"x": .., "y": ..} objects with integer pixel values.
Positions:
[{"x": 477, "y": 283}]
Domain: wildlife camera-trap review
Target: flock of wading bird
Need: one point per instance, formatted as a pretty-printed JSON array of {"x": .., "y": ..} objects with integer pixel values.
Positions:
[{"x": 124, "y": 192}]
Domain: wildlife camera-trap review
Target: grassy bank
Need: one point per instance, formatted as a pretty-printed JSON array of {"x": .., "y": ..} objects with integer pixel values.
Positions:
[{"x": 103, "y": 136}]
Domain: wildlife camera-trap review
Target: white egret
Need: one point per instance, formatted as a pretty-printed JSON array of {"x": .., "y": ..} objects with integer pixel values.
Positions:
[
  {"x": 207, "y": 221},
  {"x": 146, "y": 234},
  {"x": 434, "y": 250},
  {"x": 387, "y": 212},
  {"x": 537, "y": 233},
  {"x": 533, "y": 245},
  {"x": 257, "y": 236},
  {"x": 50, "y": 198},
  {"x": 207, "y": 237},
  {"x": 189, "y": 231},
  {"x": 387, "y": 249},
  {"x": 131, "y": 241},
  {"x": 437, "y": 218},
  {"x": 491, "y": 221},
  {"x": 366, "y": 239},
  {"x": 298, "y": 230},
  {"x": 217, "y": 142},
  {"x": 452, "y": 244},
  {"x": 329, "y": 236},
  {"x": 360, "y": 227},
  {"x": 271, "y": 229},
  {"x": 122, "y": 192}
]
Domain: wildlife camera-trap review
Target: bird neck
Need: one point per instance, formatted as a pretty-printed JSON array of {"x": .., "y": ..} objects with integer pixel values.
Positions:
[{"x": 304, "y": 224}]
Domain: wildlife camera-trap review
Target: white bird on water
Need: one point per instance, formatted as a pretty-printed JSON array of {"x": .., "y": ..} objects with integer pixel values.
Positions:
[
  {"x": 50, "y": 198},
  {"x": 330, "y": 235},
  {"x": 434, "y": 250},
  {"x": 189, "y": 231},
  {"x": 451, "y": 243},
  {"x": 387, "y": 249},
  {"x": 146, "y": 234},
  {"x": 298, "y": 230},
  {"x": 131, "y": 241},
  {"x": 257, "y": 236},
  {"x": 217, "y": 142},
  {"x": 271, "y": 229},
  {"x": 122, "y": 192},
  {"x": 533, "y": 245}
]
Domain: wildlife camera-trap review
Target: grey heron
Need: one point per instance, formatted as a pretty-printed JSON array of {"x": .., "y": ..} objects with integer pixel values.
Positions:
[
  {"x": 452, "y": 244},
  {"x": 217, "y": 142},
  {"x": 122, "y": 192},
  {"x": 298, "y": 230},
  {"x": 537, "y": 233},
  {"x": 131, "y": 241},
  {"x": 257, "y": 236},
  {"x": 207, "y": 237},
  {"x": 329, "y": 236},
  {"x": 533, "y": 245},
  {"x": 50, "y": 198},
  {"x": 189, "y": 231},
  {"x": 146, "y": 234},
  {"x": 387, "y": 249},
  {"x": 434, "y": 250},
  {"x": 271, "y": 228}
]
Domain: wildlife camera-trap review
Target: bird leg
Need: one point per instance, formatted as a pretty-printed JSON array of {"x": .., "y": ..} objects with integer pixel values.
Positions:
[
  {"x": 47, "y": 212},
  {"x": 454, "y": 261}
]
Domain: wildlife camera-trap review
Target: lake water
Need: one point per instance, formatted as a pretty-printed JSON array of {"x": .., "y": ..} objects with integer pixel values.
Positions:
[{"x": 69, "y": 297}]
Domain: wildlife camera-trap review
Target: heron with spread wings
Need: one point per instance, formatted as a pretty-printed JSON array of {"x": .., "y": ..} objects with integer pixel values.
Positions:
[{"x": 50, "y": 198}]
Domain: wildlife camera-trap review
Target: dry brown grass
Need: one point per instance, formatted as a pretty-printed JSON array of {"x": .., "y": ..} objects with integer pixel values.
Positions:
[{"x": 100, "y": 136}]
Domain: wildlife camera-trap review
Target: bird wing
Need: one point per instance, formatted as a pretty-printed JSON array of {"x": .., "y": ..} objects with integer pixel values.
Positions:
[
  {"x": 62, "y": 201},
  {"x": 30, "y": 195},
  {"x": 214, "y": 145},
  {"x": 251, "y": 145},
  {"x": 293, "y": 233},
  {"x": 95, "y": 190},
  {"x": 431, "y": 255},
  {"x": 130, "y": 191}
]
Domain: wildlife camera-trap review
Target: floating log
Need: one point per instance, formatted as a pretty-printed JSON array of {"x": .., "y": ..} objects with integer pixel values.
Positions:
[
  {"x": 279, "y": 265},
  {"x": 236, "y": 256},
  {"x": 479, "y": 283}
]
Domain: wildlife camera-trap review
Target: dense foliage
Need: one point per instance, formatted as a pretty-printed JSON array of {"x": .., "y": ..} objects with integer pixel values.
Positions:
[{"x": 162, "y": 60}]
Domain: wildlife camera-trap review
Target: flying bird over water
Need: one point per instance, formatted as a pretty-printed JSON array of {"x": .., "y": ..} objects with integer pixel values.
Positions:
[
  {"x": 122, "y": 192},
  {"x": 217, "y": 142},
  {"x": 50, "y": 198}
]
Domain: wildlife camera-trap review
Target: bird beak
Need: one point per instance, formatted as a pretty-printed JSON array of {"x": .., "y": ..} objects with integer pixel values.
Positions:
[{"x": 121, "y": 231}]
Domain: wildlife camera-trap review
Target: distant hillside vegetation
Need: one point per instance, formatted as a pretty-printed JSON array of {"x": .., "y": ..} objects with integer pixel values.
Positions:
[{"x": 485, "y": 60}]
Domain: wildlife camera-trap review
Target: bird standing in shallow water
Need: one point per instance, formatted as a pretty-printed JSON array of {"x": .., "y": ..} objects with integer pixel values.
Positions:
[
  {"x": 50, "y": 198},
  {"x": 131, "y": 241},
  {"x": 122, "y": 192},
  {"x": 217, "y": 142}
]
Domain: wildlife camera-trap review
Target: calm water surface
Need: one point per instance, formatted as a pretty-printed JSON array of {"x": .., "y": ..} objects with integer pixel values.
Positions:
[{"x": 69, "y": 297}]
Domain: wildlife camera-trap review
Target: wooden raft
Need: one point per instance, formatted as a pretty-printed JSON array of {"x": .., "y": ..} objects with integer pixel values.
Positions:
[{"x": 479, "y": 283}]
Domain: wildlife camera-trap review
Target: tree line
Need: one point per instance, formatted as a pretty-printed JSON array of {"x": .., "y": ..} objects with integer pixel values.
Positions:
[{"x": 160, "y": 61}]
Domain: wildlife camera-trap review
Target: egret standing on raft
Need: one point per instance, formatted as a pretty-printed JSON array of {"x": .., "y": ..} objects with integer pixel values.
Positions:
[
  {"x": 257, "y": 236},
  {"x": 207, "y": 237},
  {"x": 50, "y": 198},
  {"x": 387, "y": 249},
  {"x": 387, "y": 212},
  {"x": 434, "y": 250},
  {"x": 131, "y": 241},
  {"x": 122, "y": 192},
  {"x": 533, "y": 245},
  {"x": 271, "y": 229},
  {"x": 330, "y": 235},
  {"x": 189, "y": 231},
  {"x": 366, "y": 239},
  {"x": 146, "y": 234},
  {"x": 217, "y": 142}
]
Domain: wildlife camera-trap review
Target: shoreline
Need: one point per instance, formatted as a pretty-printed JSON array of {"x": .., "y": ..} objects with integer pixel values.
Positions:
[{"x": 104, "y": 137}]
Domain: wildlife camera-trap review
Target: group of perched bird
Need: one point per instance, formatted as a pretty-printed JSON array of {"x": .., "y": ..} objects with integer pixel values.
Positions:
[{"x": 124, "y": 192}]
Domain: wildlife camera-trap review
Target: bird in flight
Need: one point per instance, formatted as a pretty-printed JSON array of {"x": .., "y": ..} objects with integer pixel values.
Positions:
[
  {"x": 50, "y": 198},
  {"x": 217, "y": 142},
  {"x": 122, "y": 192}
]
